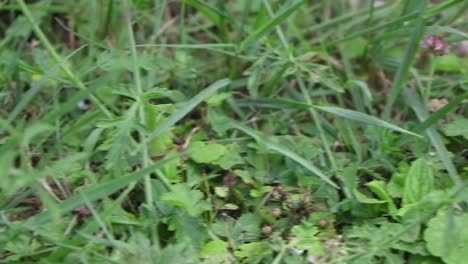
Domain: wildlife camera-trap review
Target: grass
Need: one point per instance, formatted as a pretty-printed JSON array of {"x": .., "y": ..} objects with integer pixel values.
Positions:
[{"x": 207, "y": 131}]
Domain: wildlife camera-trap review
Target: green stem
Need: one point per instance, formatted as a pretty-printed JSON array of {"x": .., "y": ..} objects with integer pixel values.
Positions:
[{"x": 139, "y": 91}]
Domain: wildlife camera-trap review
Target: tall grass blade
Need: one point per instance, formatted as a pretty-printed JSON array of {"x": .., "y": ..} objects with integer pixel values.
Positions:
[
  {"x": 345, "y": 113},
  {"x": 408, "y": 59}
]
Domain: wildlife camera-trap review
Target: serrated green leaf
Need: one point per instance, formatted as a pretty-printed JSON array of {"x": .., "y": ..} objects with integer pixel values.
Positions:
[
  {"x": 215, "y": 251},
  {"x": 191, "y": 200},
  {"x": 447, "y": 236},
  {"x": 202, "y": 152},
  {"x": 188, "y": 229},
  {"x": 253, "y": 252},
  {"x": 419, "y": 182},
  {"x": 230, "y": 158}
]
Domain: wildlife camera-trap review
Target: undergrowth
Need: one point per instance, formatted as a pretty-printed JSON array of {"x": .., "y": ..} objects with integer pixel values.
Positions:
[{"x": 247, "y": 131}]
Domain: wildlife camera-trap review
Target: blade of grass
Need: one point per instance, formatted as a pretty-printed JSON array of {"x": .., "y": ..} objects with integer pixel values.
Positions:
[
  {"x": 49, "y": 8},
  {"x": 280, "y": 33},
  {"x": 408, "y": 59},
  {"x": 263, "y": 139},
  {"x": 434, "y": 30},
  {"x": 345, "y": 113},
  {"x": 318, "y": 124},
  {"x": 364, "y": 118},
  {"x": 91, "y": 227},
  {"x": 266, "y": 28},
  {"x": 96, "y": 216}
]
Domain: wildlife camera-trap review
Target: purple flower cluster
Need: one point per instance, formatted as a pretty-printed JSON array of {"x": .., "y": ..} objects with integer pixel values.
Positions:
[{"x": 436, "y": 45}]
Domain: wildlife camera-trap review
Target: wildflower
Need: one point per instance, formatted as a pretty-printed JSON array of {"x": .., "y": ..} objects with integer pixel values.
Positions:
[{"x": 436, "y": 45}]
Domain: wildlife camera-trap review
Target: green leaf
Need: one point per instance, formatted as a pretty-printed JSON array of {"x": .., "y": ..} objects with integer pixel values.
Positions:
[
  {"x": 419, "y": 182},
  {"x": 245, "y": 176},
  {"x": 447, "y": 236},
  {"x": 380, "y": 188},
  {"x": 217, "y": 99},
  {"x": 417, "y": 247},
  {"x": 305, "y": 236},
  {"x": 188, "y": 229},
  {"x": 222, "y": 191},
  {"x": 230, "y": 206},
  {"x": 218, "y": 121},
  {"x": 249, "y": 223},
  {"x": 215, "y": 251},
  {"x": 362, "y": 198},
  {"x": 448, "y": 63},
  {"x": 253, "y": 252},
  {"x": 231, "y": 157},
  {"x": 192, "y": 200},
  {"x": 259, "y": 192},
  {"x": 389, "y": 229},
  {"x": 202, "y": 152},
  {"x": 414, "y": 212},
  {"x": 459, "y": 127}
]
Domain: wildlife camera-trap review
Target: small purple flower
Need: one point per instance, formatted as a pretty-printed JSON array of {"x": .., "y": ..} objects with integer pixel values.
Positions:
[{"x": 436, "y": 45}]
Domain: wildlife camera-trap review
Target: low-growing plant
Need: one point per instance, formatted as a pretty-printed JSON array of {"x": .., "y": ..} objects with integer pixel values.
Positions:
[{"x": 206, "y": 131}]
